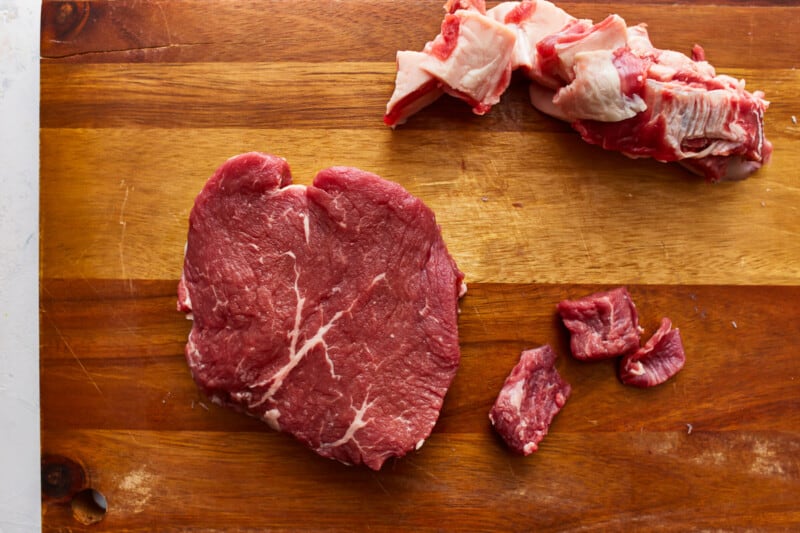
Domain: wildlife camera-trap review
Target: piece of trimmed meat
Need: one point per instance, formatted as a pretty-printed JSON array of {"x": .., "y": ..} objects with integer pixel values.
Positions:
[
  {"x": 556, "y": 52},
  {"x": 602, "y": 325},
  {"x": 471, "y": 57},
  {"x": 622, "y": 93},
  {"x": 607, "y": 79},
  {"x": 658, "y": 360},
  {"x": 532, "y": 21},
  {"x": 451, "y": 6},
  {"x": 532, "y": 395},
  {"x": 686, "y": 121},
  {"x": 414, "y": 88},
  {"x": 328, "y": 311},
  {"x": 604, "y": 87}
]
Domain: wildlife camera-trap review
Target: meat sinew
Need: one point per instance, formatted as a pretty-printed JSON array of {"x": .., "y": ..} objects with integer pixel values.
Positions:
[
  {"x": 532, "y": 395},
  {"x": 658, "y": 360},
  {"x": 327, "y": 311},
  {"x": 602, "y": 325}
]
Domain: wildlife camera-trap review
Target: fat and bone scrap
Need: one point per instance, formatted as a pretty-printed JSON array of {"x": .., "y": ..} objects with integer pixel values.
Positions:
[{"x": 606, "y": 79}]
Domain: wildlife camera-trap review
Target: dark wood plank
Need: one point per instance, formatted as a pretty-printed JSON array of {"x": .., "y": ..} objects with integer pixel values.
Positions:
[
  {"x": 734, "y": 33},
  {"x": 112, "y": 358}
]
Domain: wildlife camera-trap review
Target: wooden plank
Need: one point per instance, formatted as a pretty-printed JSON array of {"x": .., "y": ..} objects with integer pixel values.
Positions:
[
  {"x": 115, "y": 351},
  {"x": 561, "y": 211},
  {"x": 733, "y": 34},
  {"x": 341, "y": 95},
  {"x": 175, "y": 480}
]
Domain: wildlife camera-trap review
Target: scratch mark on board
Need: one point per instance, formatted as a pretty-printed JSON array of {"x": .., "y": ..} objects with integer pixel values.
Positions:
[
  {"x": 480, "y": 318},
  {"x": 585, "y": 246},
  {"x": 423, "y": 470},
  {"x": 75, "y": 356},
  {"x": 124, "y": 225},
  {"x": 166, "y": 22},
  {"x": 378, "y": 481}
]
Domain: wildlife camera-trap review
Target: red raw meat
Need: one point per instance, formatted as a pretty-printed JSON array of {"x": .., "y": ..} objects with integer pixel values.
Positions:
[
  {"x": 328, "y": 311},
  {"x": 602, "y": 325},
  {"x": 658, "y": 360},
  {"x": 532, "y": 395}
]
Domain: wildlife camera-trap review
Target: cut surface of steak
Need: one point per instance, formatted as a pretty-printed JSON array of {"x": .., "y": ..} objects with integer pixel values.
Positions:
[
  {"x": 602, "y": 325},
  {"x": 328, "y": 311},
  {"x": 532, "y": 395},
  {"x": 658, "y": 360}
]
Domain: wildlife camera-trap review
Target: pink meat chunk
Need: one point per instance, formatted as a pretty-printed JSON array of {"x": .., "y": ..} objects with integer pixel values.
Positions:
[
  {"x": 557, "y": 52},
  {"x": 471, "y": 57},
  {"x": 686, "y": 121},
  {"x": 532, "y": 395},
  {"x": 602, "y": 325},
  {"x": 532, "y": 21},
  {"x": 414, "y": 89},
  {"x": 604, "y": 88},
  {"x": 451, "y": 6},
  {"x": 622, "y": 93},
  {"x": 658, "y": 360}
]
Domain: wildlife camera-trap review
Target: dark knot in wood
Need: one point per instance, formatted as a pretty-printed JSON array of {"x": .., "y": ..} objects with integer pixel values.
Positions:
[{"x": 63, "y": 21}]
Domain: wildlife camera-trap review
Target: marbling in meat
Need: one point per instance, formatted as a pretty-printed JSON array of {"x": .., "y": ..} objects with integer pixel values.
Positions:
[
  {"x": 328, "y": 311},
  {"x": 531, "y": 396},
  {"x": 658, "y": 360},
  {"x": 602, "y": 325}
]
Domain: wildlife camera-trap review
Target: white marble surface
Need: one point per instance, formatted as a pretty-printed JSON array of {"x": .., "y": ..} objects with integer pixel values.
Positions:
[{"x": 19, "y": 257}]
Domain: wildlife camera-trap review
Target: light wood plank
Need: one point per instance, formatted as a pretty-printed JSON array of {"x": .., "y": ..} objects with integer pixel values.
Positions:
[
  {"x": 515, "y": 207},
  {"x": 295, "y": 95}
]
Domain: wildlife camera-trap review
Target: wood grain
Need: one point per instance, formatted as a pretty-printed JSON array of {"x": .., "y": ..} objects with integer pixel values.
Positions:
[
  {"x": 142, "y": 100},
  {"x": 186, "y": 31},
  {"x": 562, "y": 211},
  {"x": 116, "y": 346}
]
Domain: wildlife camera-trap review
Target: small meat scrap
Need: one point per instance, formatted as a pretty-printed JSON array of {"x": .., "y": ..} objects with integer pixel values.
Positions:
[
  {"x": 658, "y": 360},
  {"x": 602, "y": 325},
  {"x": 531, "y": 396}
]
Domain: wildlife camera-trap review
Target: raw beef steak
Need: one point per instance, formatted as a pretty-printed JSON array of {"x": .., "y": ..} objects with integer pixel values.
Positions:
[
  {"x": 327, "y": 311},
  {"x": 531, "y": 396},
  {"x": 658, "y": 360},
  {"x": 603, "y": 325}
]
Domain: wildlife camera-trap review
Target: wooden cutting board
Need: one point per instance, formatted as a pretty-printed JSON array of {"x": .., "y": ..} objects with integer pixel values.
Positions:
[{"x": 142, "y": 100}]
